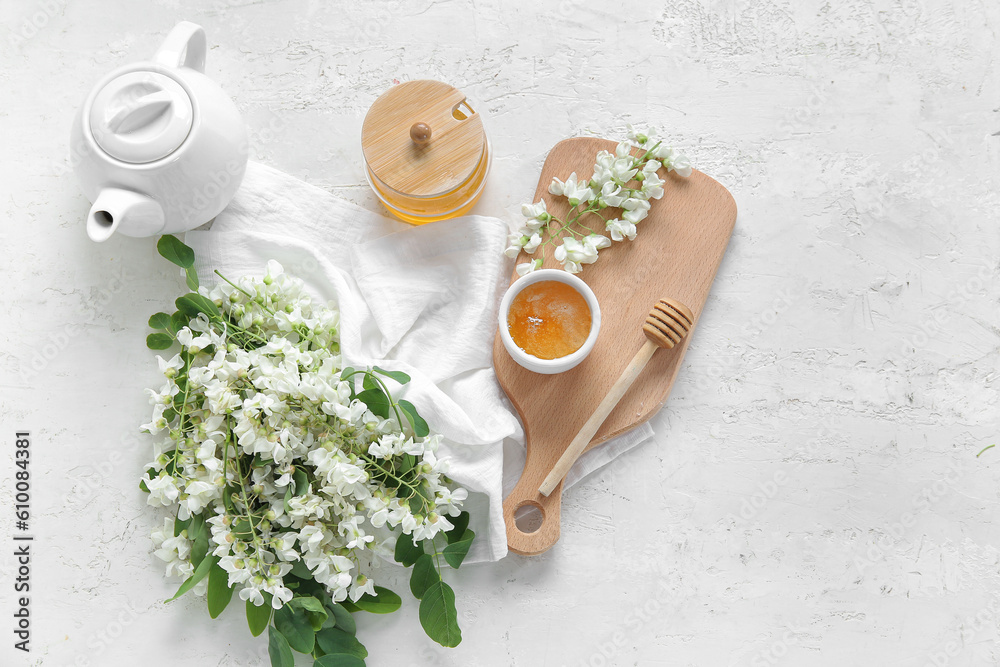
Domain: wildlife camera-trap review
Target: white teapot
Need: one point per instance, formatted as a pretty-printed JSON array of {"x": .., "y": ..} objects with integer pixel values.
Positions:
[{"x": 158, "y": 147}]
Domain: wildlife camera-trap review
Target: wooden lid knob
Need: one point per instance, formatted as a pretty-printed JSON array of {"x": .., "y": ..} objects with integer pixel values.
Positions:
[
  {"x": 668, "y": 322},
  {"x": 420, "y": 133}
]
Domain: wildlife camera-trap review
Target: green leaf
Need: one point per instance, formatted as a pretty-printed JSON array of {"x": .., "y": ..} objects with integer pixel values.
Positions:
[
  {"x": 344, "y": 619},
  {"x": 369, "y": 382},
  {"x": 407, "y": 552},
  {"x": 438, "y": 615},
  {"x": 420, "y": 428},
  {"x": 227, "y": 499},
  {"x": 347, "y": 375},
  {"x": 198, "y": 533},
  {"x": 151, "y": 472},
  {"x": 279, "y": 650},
  {"x": 159, "y": 321},
  {"x": 177, "y": 322},
  {"x": 383, "y": 602},
  {"x": 424, "y": 491},
  {"x": 301, "y": 481},
  {"x": 193, "y": 303},
  {"x": 398, "y": 376},
  {"x": 349, "y": 606},
  {"x": 315, "y": 611},
  {"x": 376, "y": 402},
  {"x": 339, "y": 660},
  {"x": 159, "y": 341},
  {"x": 180, "y": 525},
  {"x": 423, "y": 576},
  {"x": 460, "y": 523},
  {"x": 301, "y": 570},
  {"x": 191, "y": 278},
  {"x": 288, "y": 497},
  {"x": 295, "y": 626},
  {"x": 335, "y": 640},
  {"x": 259, "y": 617},
  {"x": 173, "y": 250},
  {"x": 219, "y": 592},
  {"x": 200, "y": 573},
  {"x": 242, "y": 529},
  {"x": 455, "y": 552}
]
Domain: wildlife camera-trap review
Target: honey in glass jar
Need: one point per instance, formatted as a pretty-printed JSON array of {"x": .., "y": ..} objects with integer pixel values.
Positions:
[{"x": 426, "y": 152}]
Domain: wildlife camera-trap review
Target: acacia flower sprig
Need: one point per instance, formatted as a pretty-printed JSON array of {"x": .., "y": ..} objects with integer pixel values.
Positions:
[
  {"x": 620, "y": 181},
  {"x": 286, "y": 475}
]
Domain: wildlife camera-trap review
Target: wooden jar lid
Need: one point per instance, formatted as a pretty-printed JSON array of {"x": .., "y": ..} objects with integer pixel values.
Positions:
[{"x": 422, "y": 139}]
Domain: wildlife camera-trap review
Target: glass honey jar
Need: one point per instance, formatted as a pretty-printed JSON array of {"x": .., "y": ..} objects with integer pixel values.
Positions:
[{"x": 426, "y": 152}]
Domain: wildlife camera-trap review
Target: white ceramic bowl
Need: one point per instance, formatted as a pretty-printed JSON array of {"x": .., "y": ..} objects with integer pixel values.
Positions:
[{"x": 530, "y": 361}]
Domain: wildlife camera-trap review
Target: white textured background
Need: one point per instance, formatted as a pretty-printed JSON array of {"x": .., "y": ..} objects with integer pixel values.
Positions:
[{"x": 842, "y": 379}]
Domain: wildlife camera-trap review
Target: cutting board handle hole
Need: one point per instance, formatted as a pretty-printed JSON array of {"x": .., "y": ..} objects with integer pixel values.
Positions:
[{"x": 529, "y": 517}]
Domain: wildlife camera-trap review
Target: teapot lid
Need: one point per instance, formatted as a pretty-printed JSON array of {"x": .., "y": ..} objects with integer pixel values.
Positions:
[
  {"x": 141, "y": 116},
  {"x": 422, "y": 139}
]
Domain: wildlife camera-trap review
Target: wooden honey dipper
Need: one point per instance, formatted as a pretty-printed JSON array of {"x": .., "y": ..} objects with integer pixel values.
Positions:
[{"x": 666, "y": 325}]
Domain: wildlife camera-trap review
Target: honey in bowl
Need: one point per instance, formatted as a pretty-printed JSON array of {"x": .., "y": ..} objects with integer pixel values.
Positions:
[{"x": 549, "y": 319}]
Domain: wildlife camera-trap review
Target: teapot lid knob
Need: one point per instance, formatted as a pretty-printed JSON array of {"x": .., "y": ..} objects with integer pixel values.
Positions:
[{"x": 141, "y": 116}]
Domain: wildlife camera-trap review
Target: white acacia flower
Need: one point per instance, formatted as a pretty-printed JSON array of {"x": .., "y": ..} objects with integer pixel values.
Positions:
[
  {"x": 635, "y": 210},
  {"x": 170, "y": 368},
  {"x": 577, "y": 193},
  {"x": 528, "y": 267},
  {"x": 620, "y": 229},
  {"x": 536, "y": 211},
  {"x": 163, "y": 490},
  {"x": 572, "y": 254},
  {"x": 682, "y": 165},
  {"x": 514, "y": 244},
  {"x": 157, "y": 423},
  {"x": 673, "y": 160},
  {"x": 595, "y": 242},
  {"x": 360, "y": 586},
  {"x": 643, "y": 137},
  {"x": 533, "y": 242},
  {"x": 652, "y": 185},
  {"x": 612, "y": 195}
]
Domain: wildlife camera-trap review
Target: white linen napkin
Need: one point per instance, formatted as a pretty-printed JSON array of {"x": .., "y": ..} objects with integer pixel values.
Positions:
[{"x": 418, "y": 299}]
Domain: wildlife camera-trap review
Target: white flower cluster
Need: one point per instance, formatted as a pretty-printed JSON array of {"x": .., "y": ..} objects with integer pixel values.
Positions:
[
  {"x": 609, "y": 187},
  {"x": 265, "y": 441}
]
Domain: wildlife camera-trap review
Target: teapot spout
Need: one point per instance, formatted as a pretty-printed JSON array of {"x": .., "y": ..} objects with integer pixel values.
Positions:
[{"x": 129, "y": 212}]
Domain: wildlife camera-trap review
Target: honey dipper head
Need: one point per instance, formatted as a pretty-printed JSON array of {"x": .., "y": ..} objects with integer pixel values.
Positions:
[{"x": 668, "y": 322}]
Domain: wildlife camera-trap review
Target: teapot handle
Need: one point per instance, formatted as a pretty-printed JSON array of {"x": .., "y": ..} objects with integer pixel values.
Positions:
[{"x": 184, "y": 47}]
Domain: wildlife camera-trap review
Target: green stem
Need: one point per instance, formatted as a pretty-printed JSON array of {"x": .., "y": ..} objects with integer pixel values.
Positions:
[
  {"x": 246, "y": 293},
  {"x": 183, "y": 413}
]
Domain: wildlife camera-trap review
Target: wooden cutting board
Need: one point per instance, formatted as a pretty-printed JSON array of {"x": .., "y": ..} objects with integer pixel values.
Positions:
[{"x": 676, "y": 254}]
